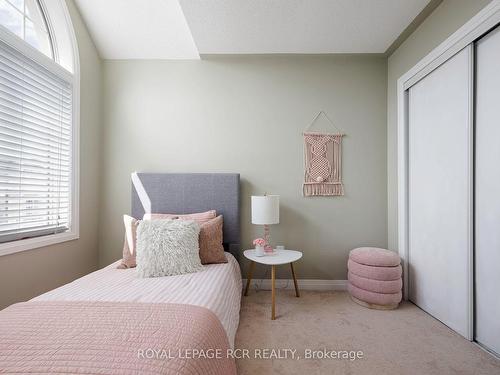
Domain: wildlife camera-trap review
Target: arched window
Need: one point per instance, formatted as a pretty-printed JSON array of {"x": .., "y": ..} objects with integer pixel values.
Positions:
[
  {"x": 26, "y": 19},
  {"x": 39, "y": 91}
]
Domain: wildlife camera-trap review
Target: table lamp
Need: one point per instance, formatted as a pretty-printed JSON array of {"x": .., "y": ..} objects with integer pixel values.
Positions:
[{"x": 266, "y": 211}]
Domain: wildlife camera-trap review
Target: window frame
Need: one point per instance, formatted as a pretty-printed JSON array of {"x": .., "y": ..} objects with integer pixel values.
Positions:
[
  {"x": 53, "y": 66},
  {"x": 43, "y": 13}
]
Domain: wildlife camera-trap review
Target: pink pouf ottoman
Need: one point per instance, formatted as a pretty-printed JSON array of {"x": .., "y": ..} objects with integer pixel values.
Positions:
[{"x": 375, "y": 277}]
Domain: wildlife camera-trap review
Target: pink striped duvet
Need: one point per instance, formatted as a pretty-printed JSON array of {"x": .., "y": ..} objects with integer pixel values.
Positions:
[
  {"x": 112, "y": 338},
  {"x": 217, "y": 287},
  {"x": 158, "y": 305}
]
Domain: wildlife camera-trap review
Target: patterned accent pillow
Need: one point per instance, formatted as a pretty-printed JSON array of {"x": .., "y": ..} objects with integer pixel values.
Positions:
[
  {"x": 199, "y": 217},
  {"x": 167, "y": 247},
  {"x": 211, "y": 249},
  {"x": 129, "y": 245}
]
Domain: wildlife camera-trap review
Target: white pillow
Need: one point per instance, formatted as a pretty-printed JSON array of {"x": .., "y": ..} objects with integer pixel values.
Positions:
[{"x": 167, "y": 247}]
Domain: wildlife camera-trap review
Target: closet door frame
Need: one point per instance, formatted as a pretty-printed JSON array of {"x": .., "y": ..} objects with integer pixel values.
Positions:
[{"x": 480, "y": 24}]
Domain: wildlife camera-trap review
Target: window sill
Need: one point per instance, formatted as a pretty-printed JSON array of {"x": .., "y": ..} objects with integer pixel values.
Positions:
[{"x": 34, "y": 243}]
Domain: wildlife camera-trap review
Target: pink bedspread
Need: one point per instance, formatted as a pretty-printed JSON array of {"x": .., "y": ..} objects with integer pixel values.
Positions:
[{"x": 112, "y": 338}]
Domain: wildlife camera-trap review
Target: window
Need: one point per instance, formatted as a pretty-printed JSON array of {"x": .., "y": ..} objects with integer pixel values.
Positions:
[
  {"x": 25, "y": 19},
  {"x": 38, "y": 192}
]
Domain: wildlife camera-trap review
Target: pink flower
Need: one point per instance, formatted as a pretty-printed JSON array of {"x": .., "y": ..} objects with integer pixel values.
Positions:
[{"x": 259, "y": 242}]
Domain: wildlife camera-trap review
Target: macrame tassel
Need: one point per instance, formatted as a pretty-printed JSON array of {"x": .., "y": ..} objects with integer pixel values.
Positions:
[{"x": 312, "y": 189}]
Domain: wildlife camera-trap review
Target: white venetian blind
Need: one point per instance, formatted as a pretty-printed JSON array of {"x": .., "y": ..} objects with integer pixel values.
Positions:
[{"x": 35, "y": 148}]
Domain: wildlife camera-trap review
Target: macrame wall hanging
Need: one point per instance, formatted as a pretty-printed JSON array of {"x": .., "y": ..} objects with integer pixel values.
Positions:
[{"x": 322, "y": 161}]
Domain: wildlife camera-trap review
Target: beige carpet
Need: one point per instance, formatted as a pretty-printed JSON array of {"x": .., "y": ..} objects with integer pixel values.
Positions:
[{"x": 403, "y": 341}]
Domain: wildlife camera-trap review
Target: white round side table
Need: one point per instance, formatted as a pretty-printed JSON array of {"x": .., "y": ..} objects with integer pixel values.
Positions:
[{"x": 277, "y": 258}]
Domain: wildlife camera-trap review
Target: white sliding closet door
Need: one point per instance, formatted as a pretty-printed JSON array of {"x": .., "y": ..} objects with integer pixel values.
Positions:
[
  {"x": 439, "y": 187},
  {"x": 487, "y": 192}
]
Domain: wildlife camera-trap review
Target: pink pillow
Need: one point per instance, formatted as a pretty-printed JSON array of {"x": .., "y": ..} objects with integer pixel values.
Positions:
[
  {"x": 374, "y": 273},
  {"x": 377, "y": 286},
  {"x": 384, "y": 299},
  {"x": 129, "y": 245},
  {"x": 374, "y": 256},
  {"x": 199, "y": 217},
  {"x": 210, "y": 241}
]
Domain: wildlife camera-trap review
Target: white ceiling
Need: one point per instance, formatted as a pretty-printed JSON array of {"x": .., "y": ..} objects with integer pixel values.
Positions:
[
  {"x": 183, "y": 29},
  {"x": 138, "y": 29},
  {"x": 298, "y": 26}
]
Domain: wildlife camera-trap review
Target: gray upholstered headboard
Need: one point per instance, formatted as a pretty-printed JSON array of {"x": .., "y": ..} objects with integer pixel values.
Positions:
[{"x": 186, "y": 193}]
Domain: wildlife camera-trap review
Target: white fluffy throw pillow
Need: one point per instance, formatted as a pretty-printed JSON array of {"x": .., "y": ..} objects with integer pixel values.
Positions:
[{"x": 167, "y": 247}]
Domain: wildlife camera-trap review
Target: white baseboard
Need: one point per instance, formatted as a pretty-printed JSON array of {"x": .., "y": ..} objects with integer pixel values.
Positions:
[{"x": 304, "y": 284}]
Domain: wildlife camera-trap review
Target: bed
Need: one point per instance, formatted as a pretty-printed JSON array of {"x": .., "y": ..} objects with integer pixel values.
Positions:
[{"x": 111, "y": 322}]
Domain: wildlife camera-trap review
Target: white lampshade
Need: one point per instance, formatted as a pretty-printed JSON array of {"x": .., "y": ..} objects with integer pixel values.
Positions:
[{"x": 265, "y": 209}]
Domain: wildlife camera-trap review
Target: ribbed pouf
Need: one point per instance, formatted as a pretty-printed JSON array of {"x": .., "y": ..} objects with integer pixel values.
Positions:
[{"x": 375, "y": 277}]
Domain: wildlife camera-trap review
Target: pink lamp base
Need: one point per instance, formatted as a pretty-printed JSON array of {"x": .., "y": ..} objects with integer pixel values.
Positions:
[{"x": 268, "y": 248}]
